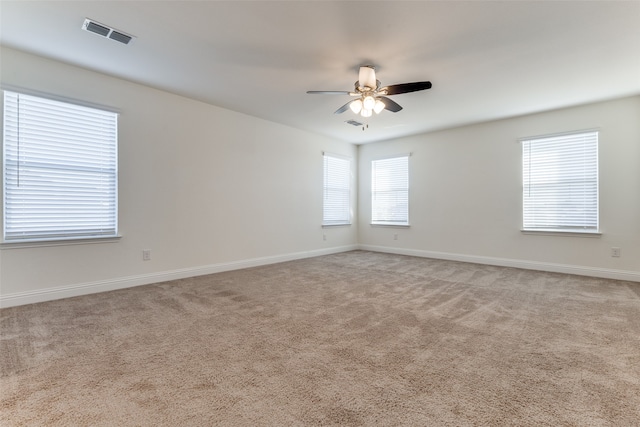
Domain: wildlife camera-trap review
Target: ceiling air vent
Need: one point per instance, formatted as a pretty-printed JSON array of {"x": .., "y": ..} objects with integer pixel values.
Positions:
[
  {"x": 120, "y": 37},
  {"x": 105, "y": 31},
  {"x": 353, "y": 123}
]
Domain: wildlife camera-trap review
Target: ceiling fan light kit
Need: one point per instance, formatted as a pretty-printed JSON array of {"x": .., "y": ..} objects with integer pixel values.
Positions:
[{"x": 370, "y": 96}]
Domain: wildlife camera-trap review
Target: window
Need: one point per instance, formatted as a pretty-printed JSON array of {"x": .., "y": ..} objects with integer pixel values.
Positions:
[
  {"x": 390, "y": 191},
  {"x": 60, "y": 170},
  {"x": 337, "y": 190},
  {"x": 560, "y": 183}
]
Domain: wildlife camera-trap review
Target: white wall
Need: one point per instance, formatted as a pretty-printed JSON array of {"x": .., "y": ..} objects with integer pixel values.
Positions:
[
  {"x": 204, "y": 188},
  {"x": 208, "y": 189},
  {"x": 466, "y": 194}
]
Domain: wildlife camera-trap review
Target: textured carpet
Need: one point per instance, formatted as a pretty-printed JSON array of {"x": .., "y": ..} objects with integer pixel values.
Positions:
[{"x": 350, "y": 339}]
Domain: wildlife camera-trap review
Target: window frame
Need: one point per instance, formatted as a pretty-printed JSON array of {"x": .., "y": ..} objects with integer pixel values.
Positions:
[
  {"x": 590, "y": 160},
  {"x": 377, "y": 221},
  {"x": 61, "y": 235}
]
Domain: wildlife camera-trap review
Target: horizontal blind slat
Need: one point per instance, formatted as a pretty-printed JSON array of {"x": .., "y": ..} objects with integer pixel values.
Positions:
[
  {"x": 60, "y": 168},
  {"x": 337, "y": 190},
  {"x": 560, "y": 182},
  {"x": 390, "y": 190}
]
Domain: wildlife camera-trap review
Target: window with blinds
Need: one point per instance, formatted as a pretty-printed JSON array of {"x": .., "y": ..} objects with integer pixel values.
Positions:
[
  {"x": 560, "y": 183},
  {"x": 390, "y": 191},
  {"x": 337, "y": 190},
  {"x": 60, "y": 170}
]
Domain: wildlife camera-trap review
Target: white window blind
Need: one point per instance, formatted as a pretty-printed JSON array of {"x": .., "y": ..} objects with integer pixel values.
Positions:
[
  {"x": 390, "y": 191},
  {"x": 60, "y": 170},
  {"x": 337, "y": 191},
  {"x": 560, "y": 177}
]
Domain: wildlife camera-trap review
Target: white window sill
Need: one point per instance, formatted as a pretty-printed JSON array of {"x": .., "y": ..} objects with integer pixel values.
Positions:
[
  {"x": 385, "y": 224},
  {"x": 336, "y": 225},
  {"x": 58, "y": 242},
  {"x": 563, "y": 233}
]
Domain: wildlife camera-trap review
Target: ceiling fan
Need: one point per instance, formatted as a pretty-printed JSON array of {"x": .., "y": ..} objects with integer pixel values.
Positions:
[{"x": 370, "y": 96}]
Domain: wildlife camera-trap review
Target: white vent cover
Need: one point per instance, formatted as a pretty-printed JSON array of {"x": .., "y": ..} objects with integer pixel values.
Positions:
[{"x": 105, "y": 31}]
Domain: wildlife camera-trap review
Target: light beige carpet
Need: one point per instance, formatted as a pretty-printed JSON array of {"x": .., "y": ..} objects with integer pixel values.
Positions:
[{"x": 350, "y": 339}]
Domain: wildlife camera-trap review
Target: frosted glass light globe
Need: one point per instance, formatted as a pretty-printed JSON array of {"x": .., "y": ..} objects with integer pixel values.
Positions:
[
  {"x": 379, "y": 106},
  {"x": 356, "y": 106},
  {"x": 368, "y": 102}
]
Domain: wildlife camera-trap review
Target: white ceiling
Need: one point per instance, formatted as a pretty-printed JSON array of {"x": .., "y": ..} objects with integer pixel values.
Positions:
[{"x": 486, "y": 60}]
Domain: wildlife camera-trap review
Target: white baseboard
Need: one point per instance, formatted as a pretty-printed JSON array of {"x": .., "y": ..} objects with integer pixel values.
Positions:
[
  {"x": 605, "y": 273},
  {"x": 30, "y": 297}
]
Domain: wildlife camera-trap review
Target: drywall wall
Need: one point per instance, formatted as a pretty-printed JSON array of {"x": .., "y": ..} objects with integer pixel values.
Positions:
[
  {"x": 204, "y": 188},
  {"x": 207, "y": 189},
  {"x": 466, "y": 193}
]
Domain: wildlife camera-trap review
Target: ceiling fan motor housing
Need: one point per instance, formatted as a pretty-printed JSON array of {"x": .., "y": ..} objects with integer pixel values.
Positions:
[{"x": 367, "y": 78}]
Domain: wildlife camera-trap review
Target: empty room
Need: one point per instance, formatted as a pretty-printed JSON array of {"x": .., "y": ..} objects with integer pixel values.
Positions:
[{"x": 320, "y": 213}]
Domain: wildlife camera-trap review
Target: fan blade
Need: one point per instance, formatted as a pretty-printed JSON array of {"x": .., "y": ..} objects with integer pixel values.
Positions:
[
  {"x": 390, "y": 105},
  {"x": 344, "y": 108},
  {"x": 329, "y": 92},
  {"x": 406, "y": 88}
]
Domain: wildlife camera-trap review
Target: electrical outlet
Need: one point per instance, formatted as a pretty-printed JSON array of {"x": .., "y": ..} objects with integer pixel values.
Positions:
[
  {"x": 146, "y": 254},
  {"x": 395, "y": 237},
  {"x": 324, "y": 237},
  {"x": 615, "y": 252}
]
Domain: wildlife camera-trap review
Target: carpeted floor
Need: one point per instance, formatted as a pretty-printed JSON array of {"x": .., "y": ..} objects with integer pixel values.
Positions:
[{"x": 350, "y": 339}]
